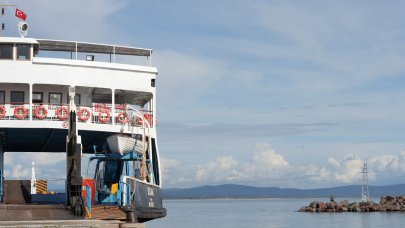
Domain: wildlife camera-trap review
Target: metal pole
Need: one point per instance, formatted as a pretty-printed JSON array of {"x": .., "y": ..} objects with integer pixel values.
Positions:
[
  {"x": 73, "y": 163},
  {"x": 30, "y": 100},
  {"x": 113, "y": 107},
  {"x": 114, "y": 53}
]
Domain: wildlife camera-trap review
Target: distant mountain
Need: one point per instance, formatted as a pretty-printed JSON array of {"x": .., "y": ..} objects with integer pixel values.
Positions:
[{"x": 242, "y": 191}]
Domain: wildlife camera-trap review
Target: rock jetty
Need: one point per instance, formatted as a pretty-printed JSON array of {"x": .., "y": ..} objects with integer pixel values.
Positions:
[{"x": 387, "y": 203}]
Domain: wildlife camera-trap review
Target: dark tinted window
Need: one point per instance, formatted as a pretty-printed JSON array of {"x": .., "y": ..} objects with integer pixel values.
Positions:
[
  {"x": 6, "y": 51},
  {"x": 23, "y": 52},
  {"x": 17, "y": 97},
  {"x": 55, "y": 98},
  {"x": 2, "y": 97},
  {"x": 37, "y": 97}
]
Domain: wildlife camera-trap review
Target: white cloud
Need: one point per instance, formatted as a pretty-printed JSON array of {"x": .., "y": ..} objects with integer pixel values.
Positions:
[
  {"x": 267, "y": 167},
  {"x": 222, "y": 169},
  {"x": 349, "y": 171},
  {"x": 174, "y": 173},
  {"x": 47, "y": 165},
  {"x": 389, "y": 163},
  {"x": 267, "y": 157},
  {"x": 334, "y": 163},
  {"x": 18, "y": 171},
  {"x": 183, "y": 77},
  {"x": 264, "y": 163}
]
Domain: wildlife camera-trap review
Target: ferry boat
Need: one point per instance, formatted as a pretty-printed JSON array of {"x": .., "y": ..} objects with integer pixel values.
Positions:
[{"x": 85, "y": 98}]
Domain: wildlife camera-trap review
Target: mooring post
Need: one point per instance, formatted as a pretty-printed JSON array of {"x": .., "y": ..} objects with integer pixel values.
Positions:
[{"x": 73, "y": 162}]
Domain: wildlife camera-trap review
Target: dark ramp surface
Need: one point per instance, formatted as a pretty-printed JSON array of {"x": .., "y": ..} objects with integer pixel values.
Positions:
[
  {"x": 13, "y": 212},
  {"x": 17, "y": 191}
]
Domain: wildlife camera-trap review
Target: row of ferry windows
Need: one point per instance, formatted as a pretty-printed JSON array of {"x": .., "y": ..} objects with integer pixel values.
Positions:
[
  {"x": 37, "y": 97},
  {"x": 23, "y": 51}
]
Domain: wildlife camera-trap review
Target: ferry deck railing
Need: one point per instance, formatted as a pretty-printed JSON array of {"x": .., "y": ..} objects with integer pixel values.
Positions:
[{"x": 94, "y": 114}]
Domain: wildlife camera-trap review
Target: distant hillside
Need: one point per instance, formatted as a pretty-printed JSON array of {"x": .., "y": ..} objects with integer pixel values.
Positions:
[{"x": 242, "y": 191}]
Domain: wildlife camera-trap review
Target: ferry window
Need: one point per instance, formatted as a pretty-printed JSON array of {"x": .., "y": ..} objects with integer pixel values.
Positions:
[
  {"x": 55, "y": 98},
  {"x": 2, "y": 97},
  {"x": 23, "y": 52},
  {"x": 37, "y": 97},
  {"x": 6, "y": 51},
  {"x": 17, "y": 97}
]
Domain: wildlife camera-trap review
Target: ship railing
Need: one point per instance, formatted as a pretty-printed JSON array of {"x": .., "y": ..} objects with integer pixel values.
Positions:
[
  {"x": 15, "y": 111},
  {"x": 128, "y": 186},
  {"x": 95, "y": 114},
  {"x": 140, "y": 193}
]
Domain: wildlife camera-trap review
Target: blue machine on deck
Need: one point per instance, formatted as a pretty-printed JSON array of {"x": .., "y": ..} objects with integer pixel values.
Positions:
[
  {"x": 128, "y": 180},
  {"x": 116, "y": 175}
]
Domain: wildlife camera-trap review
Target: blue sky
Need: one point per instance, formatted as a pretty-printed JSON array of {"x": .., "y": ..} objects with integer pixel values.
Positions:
[{"x": 266, "y": 93}]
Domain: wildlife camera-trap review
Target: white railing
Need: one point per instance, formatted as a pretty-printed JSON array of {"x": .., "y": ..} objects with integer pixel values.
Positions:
[
  {"x": 95, "y": 114},
  {"x": 15, "y": 111}
]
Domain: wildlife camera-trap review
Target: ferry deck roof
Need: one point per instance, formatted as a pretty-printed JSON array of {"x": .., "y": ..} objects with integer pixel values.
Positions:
[{"x": 48, "y": 140}]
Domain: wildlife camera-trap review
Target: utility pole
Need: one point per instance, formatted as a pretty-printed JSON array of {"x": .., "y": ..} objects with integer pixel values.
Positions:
[{"x": 364, "y": 187}]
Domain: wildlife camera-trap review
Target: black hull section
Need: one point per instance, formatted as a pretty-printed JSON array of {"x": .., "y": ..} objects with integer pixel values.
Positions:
[{"x": 147, "y": 214}]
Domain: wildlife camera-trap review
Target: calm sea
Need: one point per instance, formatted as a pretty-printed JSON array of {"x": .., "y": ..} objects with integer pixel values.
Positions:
[{"x": 247, "y": 213}]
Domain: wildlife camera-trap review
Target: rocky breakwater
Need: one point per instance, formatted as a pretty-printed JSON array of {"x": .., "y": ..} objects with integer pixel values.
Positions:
[{"x": 387, "y": 203}]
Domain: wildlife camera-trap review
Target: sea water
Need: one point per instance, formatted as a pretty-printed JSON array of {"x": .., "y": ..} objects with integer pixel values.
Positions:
[{"x": 258, "y": 213}]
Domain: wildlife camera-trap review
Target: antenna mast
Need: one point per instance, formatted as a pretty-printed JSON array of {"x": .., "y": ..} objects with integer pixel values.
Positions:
[{"x": 364, "y": 187}]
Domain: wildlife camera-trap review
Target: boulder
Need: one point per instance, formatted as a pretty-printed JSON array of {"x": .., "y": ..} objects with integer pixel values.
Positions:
[
  {"x": 382, "y": 200},
  {"x": 331, "y": 205},
  {"x": 389, "y": 199},
  {"x": 309, "y": 209},
  {"x": 345, "y": 203},
  {"x": 314, "y": 204},
  {"x": 387, "y": 203}
]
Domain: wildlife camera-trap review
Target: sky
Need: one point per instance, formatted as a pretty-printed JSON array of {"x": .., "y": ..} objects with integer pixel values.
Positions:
[{"x": 264, "y": 93}]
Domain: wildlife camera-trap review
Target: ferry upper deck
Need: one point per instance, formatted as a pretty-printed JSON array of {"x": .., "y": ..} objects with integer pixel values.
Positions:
[{"x": 111, "y": 97}]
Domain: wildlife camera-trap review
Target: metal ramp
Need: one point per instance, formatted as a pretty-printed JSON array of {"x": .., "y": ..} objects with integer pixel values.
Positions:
[
  {"x": 107, "y": 213},
  {"x": 27, "y": 212},
  {"x": 70, "y": 224}
]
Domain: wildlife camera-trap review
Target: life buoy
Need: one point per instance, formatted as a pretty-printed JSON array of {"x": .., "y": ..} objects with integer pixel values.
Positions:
[
  {"x": 41, "y": 112},
  {"x": 84, "y": 117},
  {"x": 147, "y": 117},
  {"x": 139, "y": 121},
  {"x": 20, "y": 112},
  {"x": 62, "y": 113},
  {"x": 102, "y": 118},
  {"x": 2, "y": 112},
  {"x": 122, "y": 118}
]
